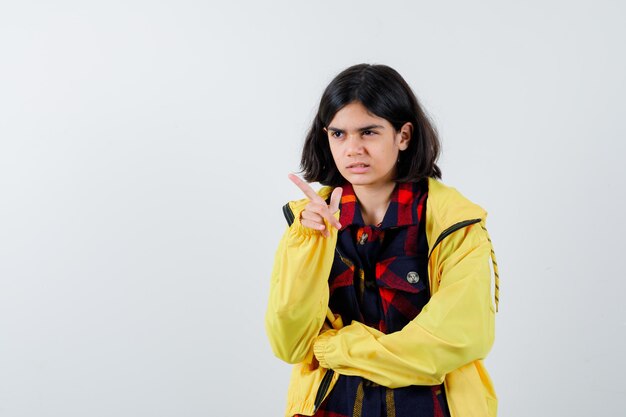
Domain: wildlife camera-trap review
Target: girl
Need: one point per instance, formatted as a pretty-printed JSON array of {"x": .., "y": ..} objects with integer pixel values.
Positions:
[{"x": 381, "y": 291}]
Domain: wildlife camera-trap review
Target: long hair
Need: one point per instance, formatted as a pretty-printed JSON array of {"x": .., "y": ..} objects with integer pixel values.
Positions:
[{"x": 385, "y": 94}]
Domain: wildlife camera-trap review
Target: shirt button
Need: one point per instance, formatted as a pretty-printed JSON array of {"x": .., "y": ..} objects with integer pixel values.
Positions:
[
  {"x": 413, "y": 277},
  {"x": 363, "y": 239}
]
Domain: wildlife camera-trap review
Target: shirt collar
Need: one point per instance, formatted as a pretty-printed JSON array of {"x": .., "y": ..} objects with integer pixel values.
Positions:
[{"x": 408, "y": 201}]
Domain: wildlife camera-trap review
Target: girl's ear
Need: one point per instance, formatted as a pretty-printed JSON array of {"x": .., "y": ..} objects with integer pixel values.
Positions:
[{"x": 405, "y": 132}]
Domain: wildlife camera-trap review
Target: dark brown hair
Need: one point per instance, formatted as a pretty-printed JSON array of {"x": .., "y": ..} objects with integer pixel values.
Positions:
[{"x": 385, "y": 94}]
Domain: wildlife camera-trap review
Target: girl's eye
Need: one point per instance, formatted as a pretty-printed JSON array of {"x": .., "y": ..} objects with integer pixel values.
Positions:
[
  {"x": 369, "y": 133},
  {"x": 335, "y": 134}
]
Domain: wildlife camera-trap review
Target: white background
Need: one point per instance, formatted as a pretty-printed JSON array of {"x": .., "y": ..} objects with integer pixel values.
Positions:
[{"x": 144, "y": 152}]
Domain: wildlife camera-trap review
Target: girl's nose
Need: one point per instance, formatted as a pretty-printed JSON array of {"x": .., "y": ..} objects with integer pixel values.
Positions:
[{"x": 354, "y": 146}]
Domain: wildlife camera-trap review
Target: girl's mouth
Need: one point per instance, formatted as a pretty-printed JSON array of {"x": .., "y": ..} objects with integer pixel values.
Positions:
[{"x": 358, "y": 168}]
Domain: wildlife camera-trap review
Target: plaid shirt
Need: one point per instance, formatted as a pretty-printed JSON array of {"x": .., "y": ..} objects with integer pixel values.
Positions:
[{"x": 379, "y": 277}]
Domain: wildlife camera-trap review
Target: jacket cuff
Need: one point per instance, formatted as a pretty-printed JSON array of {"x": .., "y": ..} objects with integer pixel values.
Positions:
[{"x": 323, "y": 346}]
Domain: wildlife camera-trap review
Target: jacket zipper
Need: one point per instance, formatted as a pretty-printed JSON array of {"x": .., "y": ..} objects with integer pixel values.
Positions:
[
  {"x": 452, "y": 229},
  {"x": 321, "y": 391}
]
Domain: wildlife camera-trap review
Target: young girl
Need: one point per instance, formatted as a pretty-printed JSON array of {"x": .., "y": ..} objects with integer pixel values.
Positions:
[{"x": 381, "y": 292}]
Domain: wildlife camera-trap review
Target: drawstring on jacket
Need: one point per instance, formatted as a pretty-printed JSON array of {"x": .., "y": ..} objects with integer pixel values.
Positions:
[{"x": 495, "y": 268}]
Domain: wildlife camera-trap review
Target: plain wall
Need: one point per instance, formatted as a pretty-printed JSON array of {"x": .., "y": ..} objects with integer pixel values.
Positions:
[{"x": 144, "y": 153}]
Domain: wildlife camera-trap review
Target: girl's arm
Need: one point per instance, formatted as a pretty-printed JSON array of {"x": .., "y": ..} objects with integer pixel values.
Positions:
[
  {"x": 298, "y": 299},
  {"x": 456, "y": 326}
]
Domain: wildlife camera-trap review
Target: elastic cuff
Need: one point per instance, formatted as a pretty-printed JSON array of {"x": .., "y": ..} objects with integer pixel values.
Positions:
[{"x": 321, "y": 346}]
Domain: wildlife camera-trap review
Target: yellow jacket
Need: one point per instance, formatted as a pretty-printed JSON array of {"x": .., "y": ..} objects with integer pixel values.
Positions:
[{"x": 444, "y": 343}]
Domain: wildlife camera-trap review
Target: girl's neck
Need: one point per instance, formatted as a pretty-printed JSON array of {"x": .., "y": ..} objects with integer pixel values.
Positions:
[{"x": 373, "y": 201}]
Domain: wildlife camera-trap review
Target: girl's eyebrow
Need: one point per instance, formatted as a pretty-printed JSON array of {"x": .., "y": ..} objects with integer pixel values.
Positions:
[{"x": 369, "y": 127}]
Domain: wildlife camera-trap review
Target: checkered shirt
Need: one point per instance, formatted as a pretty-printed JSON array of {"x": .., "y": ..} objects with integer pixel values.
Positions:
[{"x": 379, "y": 277}]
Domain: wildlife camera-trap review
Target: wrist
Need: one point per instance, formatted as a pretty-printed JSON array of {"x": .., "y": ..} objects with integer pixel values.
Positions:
[{"x": 322, "y": 346}]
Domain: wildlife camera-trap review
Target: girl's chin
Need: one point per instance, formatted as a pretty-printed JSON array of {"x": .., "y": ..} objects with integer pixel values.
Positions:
[
  {"x": 358, "y": 179},
  {"x": 363, "y": 181}
]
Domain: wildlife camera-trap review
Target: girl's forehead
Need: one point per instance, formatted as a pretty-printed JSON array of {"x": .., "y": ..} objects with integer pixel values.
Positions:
[{"x": 355, "y": 115}]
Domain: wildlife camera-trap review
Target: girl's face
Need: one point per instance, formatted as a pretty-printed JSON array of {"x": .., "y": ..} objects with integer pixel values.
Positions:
[{"x": 365, "y": 147}]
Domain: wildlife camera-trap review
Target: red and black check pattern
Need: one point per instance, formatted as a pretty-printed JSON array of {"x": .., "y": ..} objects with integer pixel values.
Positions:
[{"x": 380, "y": 278}]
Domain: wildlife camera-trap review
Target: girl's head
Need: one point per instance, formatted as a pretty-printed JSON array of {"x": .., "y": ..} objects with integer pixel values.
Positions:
[{"x": 369, "y": 116}]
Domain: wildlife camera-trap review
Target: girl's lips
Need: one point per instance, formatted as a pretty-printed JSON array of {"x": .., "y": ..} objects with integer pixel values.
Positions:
[{"x": 358, "y": 169}]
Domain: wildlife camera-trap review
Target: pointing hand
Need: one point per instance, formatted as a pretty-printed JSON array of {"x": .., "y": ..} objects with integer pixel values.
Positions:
[{"x": 317, "y": 210}]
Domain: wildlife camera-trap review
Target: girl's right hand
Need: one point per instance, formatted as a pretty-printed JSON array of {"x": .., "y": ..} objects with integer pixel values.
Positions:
[{"x": 316, "y": 211}]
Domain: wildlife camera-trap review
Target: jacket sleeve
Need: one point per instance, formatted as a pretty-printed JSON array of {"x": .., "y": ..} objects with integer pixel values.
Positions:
[
  {"x": 298, "y": 299},
  {"x": 456, "y": 326}
]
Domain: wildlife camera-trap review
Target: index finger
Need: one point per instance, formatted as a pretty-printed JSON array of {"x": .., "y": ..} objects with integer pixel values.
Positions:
[{"x": 306, "y": 188}]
